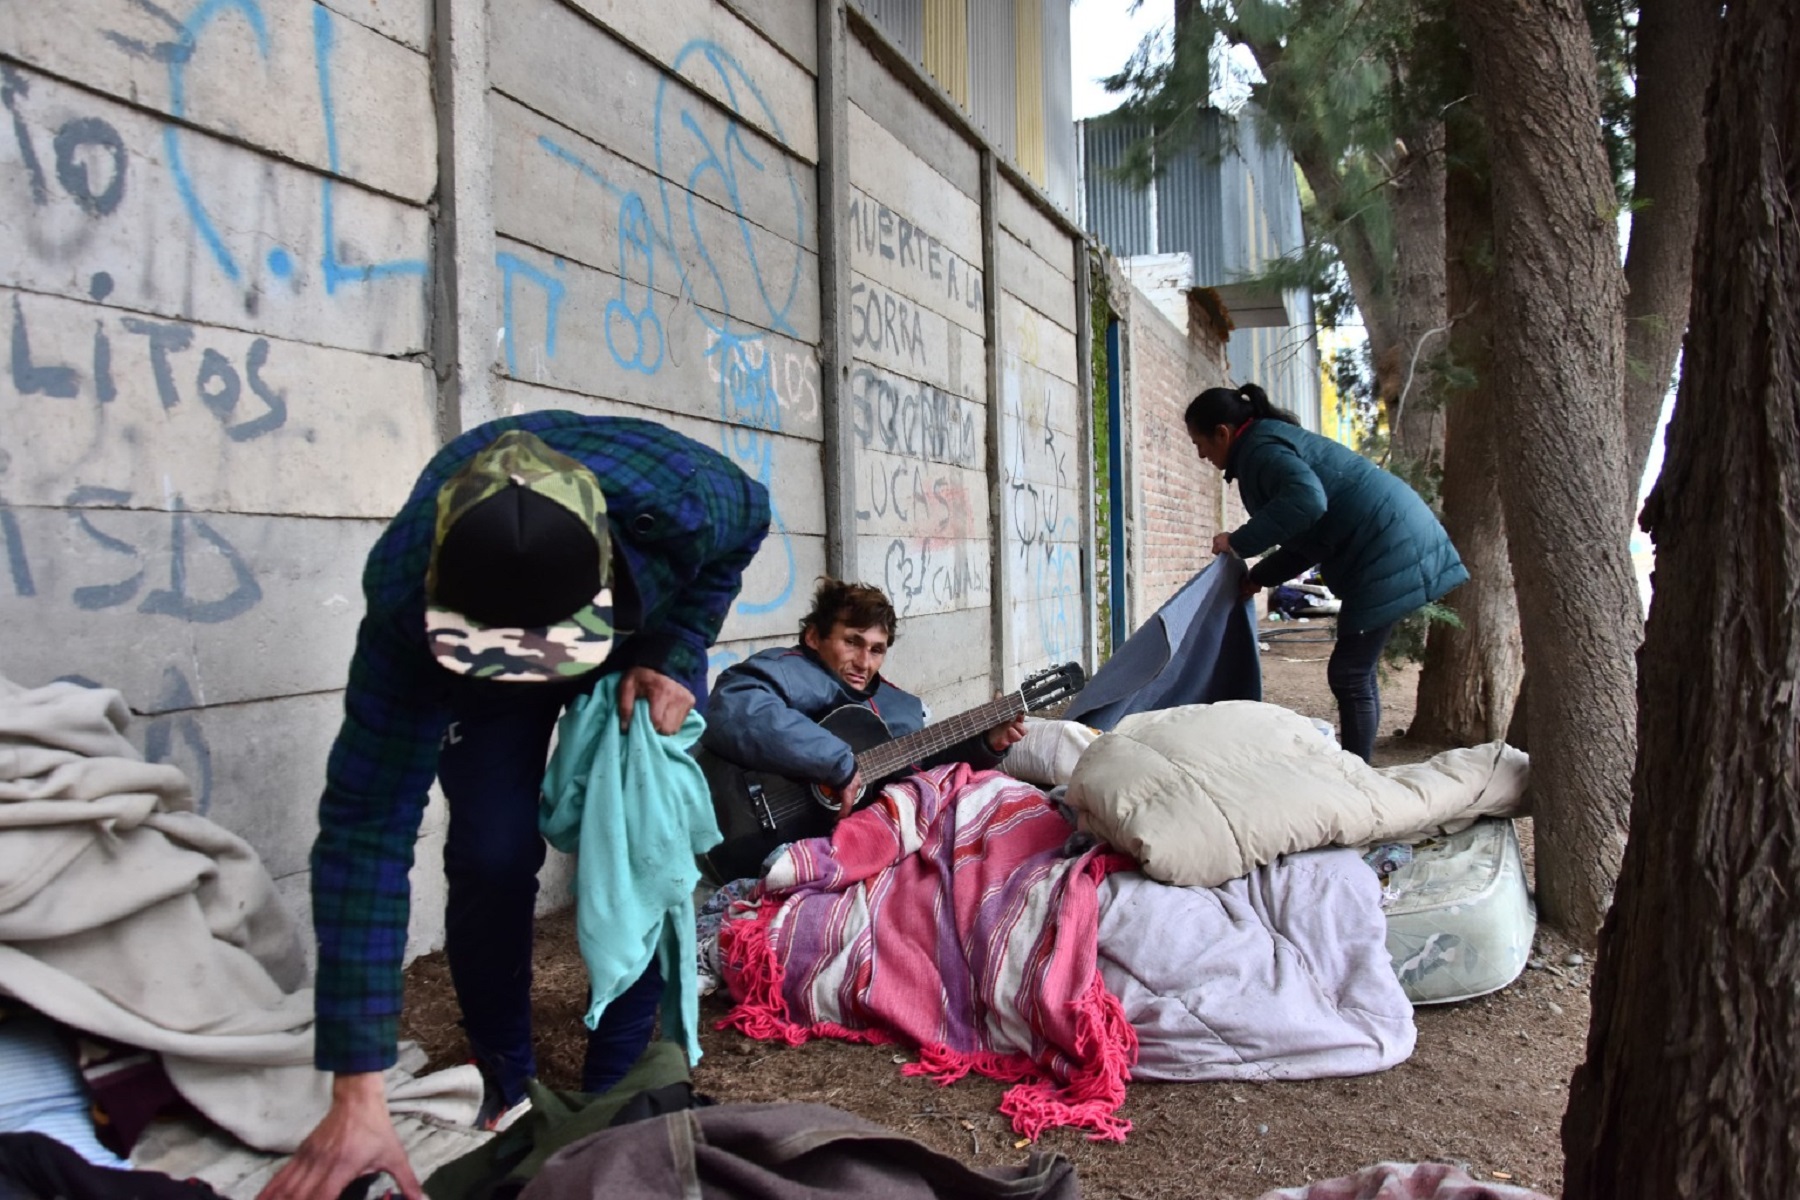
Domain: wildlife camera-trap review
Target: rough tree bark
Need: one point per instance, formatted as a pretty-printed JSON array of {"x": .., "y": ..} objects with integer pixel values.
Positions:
[
  {"x": 1471, "y": 675},
  {"x": 1416, "y": 423},
  {"x": 1558, "y": 378},
  {"x": 1691, "y": 1086},
  {"x": 1676, "y": 43}
]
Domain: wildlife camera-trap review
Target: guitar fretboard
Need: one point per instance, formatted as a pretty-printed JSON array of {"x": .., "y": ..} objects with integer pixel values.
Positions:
[{"x": 889, "y": 757}]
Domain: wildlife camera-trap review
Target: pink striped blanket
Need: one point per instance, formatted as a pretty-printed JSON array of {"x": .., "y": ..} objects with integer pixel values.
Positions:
[{"x": 946, "y": 917}]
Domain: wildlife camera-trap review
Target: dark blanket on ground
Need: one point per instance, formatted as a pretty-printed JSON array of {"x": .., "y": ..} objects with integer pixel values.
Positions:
[{"x": 1199, "y": 648}]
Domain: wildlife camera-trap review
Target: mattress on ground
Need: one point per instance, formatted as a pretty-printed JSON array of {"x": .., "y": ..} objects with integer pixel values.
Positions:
[{"x": 1462, "y": 920}]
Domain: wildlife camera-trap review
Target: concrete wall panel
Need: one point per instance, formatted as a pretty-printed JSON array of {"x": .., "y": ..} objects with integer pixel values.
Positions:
[
  {"x": 226, "y": 419},
  {"x": 792, "y": 28},
  {"x": 927, "y": 659},
  {"x": 650, "y": 58},
  {"x": 210, "y": 232},
  {"x": 1037, "y": 339},
  {"x": 242, "y": 607},
  {"x": 893, "y": 333},
  {"x": 408, "y": 22},
  {"x": 719, "y": 54},
  {"x": 924, "y": 575},
  {"x": 904, "y": 496},
  {"x": 896, "y": 415},
  {"x": 564, "y": 327},
  {"x": 892, "y": 250},
  {"x": 875, "y": 90},
  {"x": 563, "y": 193},
  {"x": 1035, "y": 281},
  {"x": 285, "y": 75},
  {"x": 881, "y": 165},
  {"x": 1042, "y": 236}
]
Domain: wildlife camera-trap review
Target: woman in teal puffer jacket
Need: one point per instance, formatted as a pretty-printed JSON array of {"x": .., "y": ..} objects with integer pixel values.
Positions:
[{"x": 1313, "y": 502}]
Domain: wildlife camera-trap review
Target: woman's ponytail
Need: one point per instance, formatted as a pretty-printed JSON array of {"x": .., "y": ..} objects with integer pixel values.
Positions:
[
  {"x": 1258, "y": 400},
  {"x": 1232, "y": 407}
]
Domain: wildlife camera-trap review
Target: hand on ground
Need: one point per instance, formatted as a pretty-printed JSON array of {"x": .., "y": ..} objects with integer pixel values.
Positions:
[
  {"x": 669, "y": 701},
  {"x": 356, "y": 1138}
]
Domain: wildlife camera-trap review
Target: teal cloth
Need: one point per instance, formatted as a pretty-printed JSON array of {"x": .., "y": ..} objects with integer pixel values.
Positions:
[{"x": 635, "y": 811}]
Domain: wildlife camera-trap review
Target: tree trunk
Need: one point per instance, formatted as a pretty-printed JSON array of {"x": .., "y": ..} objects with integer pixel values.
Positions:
[
  {"x": 1559, "y": 378},
  {"x": 1363, "y": 264},
  {"x": 1691, "y": 1086},
  {"x": 1471, "y": 675},
  {"x": 1415, "y": 409},
  {"x": 1676, "y": 42}
]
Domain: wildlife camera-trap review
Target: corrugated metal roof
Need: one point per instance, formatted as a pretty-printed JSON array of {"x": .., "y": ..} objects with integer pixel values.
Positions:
[{"x": 992, "y": 31}]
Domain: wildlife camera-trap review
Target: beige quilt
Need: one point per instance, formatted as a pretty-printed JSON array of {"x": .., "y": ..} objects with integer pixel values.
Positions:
[
  {"x": 1207, "y": 793},
  {"x": 125, "y": 914}
]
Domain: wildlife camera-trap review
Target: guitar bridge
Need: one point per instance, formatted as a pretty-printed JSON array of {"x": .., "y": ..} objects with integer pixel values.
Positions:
[{"x": 759, "y": 804}]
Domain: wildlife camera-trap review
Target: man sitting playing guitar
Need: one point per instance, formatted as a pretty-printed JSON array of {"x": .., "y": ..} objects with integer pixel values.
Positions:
[{"x": 764, "y": 711}]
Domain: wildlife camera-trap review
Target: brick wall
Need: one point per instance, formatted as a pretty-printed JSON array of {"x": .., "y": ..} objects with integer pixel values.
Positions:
[{"x": 1176, "y": 495}]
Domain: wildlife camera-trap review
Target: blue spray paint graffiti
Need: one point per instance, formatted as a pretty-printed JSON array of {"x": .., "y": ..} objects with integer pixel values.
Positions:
[
  {"x": 336, "y": 272},
  {"x": 717, "y": 165},
  {"x": 511, "y": 265},
  {"x": 333, "y": 271}
]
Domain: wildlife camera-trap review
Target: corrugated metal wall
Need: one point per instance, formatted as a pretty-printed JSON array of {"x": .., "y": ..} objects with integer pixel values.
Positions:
[
  {"x": 1230, "y": 200},
  {"x": 1116, "y": 214},
  {"x": 992, "y": 28},
  {"x": 1189, "y": 215},
  {"x": 1059, "y": 107},
  {"x": 947, "y": 46},
  {"x": 1028, "y": 87},
  {"x": 901, "y": 20}
]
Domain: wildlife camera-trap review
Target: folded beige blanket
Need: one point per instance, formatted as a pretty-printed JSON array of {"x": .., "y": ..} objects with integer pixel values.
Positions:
[{"x": 1207, "y": 793}]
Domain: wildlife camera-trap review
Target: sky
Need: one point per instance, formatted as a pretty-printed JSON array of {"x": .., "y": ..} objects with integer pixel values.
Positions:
[{"x": 1103, "y": 34}]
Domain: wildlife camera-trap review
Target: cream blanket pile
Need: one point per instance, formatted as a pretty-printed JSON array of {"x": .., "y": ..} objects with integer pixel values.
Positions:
[
  {"x": 125, "y": 914},
  {"x": 1207, "y": 793}
]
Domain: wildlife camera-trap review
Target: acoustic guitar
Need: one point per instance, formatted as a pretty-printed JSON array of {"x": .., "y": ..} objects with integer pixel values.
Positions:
[{"x": 758, "y": 811}]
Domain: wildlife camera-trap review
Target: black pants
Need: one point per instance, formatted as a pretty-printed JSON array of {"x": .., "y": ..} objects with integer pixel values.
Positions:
[
  {"x": 1351, "y": 674},
  {"x": 491, "y": 769}
]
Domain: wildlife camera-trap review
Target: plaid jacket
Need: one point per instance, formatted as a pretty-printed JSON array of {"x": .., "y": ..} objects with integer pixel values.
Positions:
[{"x": 687, "y": 523}]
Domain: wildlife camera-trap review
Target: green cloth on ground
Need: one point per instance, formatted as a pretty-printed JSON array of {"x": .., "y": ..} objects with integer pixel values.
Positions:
[{"x": 556, "y": 1119}]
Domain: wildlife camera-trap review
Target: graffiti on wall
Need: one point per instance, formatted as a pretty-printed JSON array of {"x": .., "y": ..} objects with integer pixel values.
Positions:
[
  {"x": 1045, "y": 531},
  {"x": 177, "y": 53},
  {"x": 667, "y": 244}
]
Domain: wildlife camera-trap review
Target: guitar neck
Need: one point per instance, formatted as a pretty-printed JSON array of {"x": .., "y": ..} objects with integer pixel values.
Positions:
[{"x": 881, "y": 761}]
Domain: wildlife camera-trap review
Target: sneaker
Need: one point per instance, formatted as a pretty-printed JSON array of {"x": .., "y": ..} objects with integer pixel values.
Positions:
[{"x": 495, "y": 1115}]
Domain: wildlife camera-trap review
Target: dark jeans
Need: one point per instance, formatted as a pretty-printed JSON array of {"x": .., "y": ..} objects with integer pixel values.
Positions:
[
  {"x": 1351, "y": 674},
  {"x": 491, "y": 769}
]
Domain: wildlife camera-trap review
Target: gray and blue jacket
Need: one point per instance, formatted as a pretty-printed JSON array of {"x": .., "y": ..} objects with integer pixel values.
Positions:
[{"x": 764, "y": 715}]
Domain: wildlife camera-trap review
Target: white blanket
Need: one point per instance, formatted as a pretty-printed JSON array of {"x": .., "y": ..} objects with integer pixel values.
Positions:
[
  {"x": 1207, "y": 793},
  {"x": 125, "y": 914},
  {"x": 1283, "y": 974}
]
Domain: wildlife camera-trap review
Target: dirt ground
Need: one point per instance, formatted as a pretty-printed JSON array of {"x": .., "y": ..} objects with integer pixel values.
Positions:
[{"x": 1485, "y": 1088}]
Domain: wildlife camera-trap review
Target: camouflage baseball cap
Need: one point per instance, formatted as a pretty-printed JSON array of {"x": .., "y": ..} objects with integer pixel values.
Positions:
[{"x": 519, "y": 587}]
